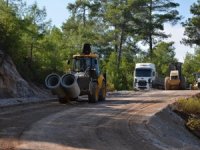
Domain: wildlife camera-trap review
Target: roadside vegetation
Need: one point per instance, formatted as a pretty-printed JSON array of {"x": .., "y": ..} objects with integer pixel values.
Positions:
[
  {"x": 122, "y": 32},
  {"x": 189, "y": 109}
]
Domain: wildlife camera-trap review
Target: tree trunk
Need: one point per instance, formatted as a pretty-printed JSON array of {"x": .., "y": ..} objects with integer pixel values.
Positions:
[
  {"x": 84, "y": 13},
  {"x": 120, "y": 48},
  {"x": 150, "y": 31},
  {"x": 150, "y": 46}
]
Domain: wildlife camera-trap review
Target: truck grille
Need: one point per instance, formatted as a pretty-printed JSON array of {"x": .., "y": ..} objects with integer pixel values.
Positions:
[{"x": 142, "y": 83}]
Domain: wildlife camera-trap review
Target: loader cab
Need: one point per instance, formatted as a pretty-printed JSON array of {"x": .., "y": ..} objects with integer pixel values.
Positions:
[{"x": 86, "y": 63}]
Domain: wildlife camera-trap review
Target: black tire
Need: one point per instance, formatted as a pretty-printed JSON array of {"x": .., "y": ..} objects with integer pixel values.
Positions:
[
  {"x": 93, "y": 95},
  {"x": 63, "y": 100},
  {"x": 102, "y": 92},
  {"x": 153, "y": 85},
  {"x": 183, "y": 83},
  {"x": 167, "y": 86}
]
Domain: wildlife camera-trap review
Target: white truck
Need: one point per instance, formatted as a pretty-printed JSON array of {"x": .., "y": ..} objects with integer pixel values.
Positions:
[{"x": 144, "y": 76}]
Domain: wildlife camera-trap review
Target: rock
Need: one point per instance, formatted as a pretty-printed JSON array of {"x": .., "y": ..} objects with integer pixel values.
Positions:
[{"x": 11, "y": 83}]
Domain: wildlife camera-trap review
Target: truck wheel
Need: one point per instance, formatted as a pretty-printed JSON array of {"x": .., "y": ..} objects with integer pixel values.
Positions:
[
  {"x": 167, "y": 86},
  {"x": 153, "y": 85},
  {"x": 102, "y": 93},
  {"x": 93, "y": 95}
]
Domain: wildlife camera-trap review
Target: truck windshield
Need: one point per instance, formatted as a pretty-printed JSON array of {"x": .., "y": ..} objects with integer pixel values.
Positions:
[{"x": 143, "y": 72}]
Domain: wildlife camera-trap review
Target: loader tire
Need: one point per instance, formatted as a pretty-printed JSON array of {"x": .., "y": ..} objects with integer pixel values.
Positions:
[
  {"x": 63, "y": 100},
  {"x": 93, "y": 95},
  {"x": 102, "y": 92},
  {"x": 167, "y": 86}
]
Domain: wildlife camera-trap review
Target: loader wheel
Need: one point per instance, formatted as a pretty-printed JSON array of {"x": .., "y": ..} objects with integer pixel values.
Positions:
[
  {"x": 102, "y": 93},
  {"x": 63, "y": 100},
  {"x": 167, "y": 86},
  {"x": 93, "y": 95}
]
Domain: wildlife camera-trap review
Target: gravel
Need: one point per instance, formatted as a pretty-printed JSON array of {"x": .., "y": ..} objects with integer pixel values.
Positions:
[{"x": 20, "y": 101}]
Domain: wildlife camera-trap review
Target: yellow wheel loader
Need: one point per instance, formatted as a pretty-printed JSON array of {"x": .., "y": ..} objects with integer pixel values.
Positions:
[
  {"x": 85, "y": 79},
  {"x": 176, "y": 81}
]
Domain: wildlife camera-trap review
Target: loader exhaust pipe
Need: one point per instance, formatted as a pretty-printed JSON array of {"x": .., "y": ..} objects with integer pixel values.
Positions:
[
  {"x": 70, "y": 85},
  {"x": 52, "y": 81}
]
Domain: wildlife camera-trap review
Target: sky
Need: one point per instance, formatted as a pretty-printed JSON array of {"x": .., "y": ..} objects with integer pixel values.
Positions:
[{"x": 57, "y": 12}]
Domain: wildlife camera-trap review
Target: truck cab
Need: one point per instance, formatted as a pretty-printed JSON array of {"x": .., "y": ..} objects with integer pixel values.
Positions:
[{"x": 144, "y": 76}]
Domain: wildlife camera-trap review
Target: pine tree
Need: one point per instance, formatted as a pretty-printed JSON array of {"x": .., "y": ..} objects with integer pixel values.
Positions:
[
  {"x": 192, "y": 26},
  {"x": 155, "y": 14}
]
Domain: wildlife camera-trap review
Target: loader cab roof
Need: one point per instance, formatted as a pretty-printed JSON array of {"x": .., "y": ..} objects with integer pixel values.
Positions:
[{"x": 91, "y": 55}]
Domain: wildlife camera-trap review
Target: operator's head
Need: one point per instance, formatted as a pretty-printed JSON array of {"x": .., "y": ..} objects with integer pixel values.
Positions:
[{"x": 86, "y": 48}]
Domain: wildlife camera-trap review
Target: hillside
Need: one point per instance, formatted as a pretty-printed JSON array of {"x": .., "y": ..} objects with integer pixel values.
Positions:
[{"x": 12, "y": 84}]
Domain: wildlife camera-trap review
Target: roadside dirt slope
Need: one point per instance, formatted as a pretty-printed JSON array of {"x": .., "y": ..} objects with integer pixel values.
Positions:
[
  {"x": 11, "y": 82},
  {"x": 166, "y": 130}
]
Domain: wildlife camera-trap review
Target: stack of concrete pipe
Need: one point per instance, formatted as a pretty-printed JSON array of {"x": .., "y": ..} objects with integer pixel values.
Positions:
[{"x": 63, "y": 86}]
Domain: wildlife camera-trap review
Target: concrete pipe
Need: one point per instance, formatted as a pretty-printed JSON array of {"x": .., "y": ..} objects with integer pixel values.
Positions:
[
  {"x": 69, "y": 83},
  {"x": 52, "y": 81}
]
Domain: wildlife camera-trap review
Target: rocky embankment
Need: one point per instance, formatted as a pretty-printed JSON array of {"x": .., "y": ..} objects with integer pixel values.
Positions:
[{"x": 12, "y": 85}]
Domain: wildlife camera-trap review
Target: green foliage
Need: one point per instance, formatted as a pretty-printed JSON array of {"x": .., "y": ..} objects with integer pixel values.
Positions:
[
  {"x": 113, "y": 28},
  {"x": 154, "y": 14},
  {"x": 9, "y": 29},
  {"x": 191, "y": 65},
  {"x": 121, "y": 78},
  {"x": 192, "y": 61},
  {"x": 189, "y": 106},
  {"x": 193, "y": 124},
  {"x": 163, "y": 55},
  {"x": 192, "y": 26}
]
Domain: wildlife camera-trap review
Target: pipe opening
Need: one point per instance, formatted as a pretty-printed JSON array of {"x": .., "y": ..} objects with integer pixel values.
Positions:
[
  {"x": 52, "y": 80},
  {"x": 68, "y": 79}
]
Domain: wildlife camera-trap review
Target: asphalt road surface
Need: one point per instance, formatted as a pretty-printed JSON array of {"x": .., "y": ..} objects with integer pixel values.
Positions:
[{"x": 125, "y": 121}]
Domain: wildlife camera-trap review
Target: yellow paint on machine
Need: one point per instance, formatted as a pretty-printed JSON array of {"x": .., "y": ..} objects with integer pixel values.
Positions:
[
  {"x": 100, "y": 81},
  {"x": 91, "y": 55}
]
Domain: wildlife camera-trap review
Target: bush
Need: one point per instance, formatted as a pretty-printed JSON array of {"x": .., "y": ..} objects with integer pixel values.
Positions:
[
  {"x": 110, "y": 87},
  {"x": 193, "y": 124},
  {"x": 190, "y": 109},
  {"x": 189, "y": 106}
]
